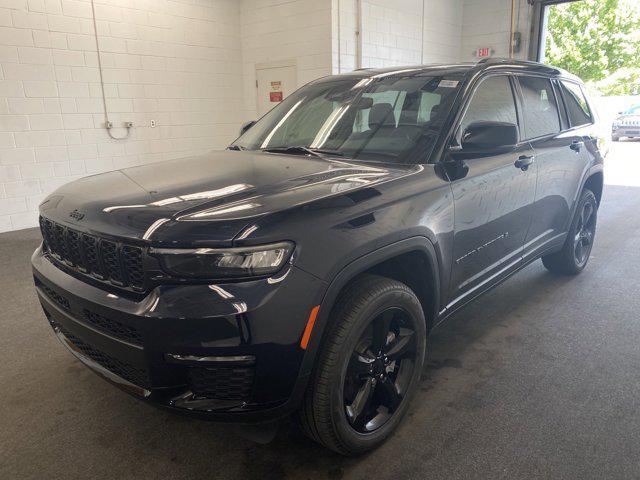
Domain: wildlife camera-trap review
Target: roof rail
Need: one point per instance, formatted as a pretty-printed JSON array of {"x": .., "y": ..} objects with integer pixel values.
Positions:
[
  {"x": 511, "y": 61},
  {"x": 496, "y": 60}
]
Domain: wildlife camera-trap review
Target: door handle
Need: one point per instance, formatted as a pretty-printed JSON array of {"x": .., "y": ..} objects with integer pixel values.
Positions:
[
  {"x": 576, "y": 145},
  {"x": 524, "y": 161}
]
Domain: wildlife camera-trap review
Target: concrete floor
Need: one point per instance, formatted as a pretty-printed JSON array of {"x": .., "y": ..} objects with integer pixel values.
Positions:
[{"x": 537, "y": 379}]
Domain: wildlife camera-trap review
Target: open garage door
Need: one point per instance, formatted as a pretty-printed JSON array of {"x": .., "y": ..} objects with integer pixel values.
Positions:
[
  {"x": 541, "y": 10},
  {"x": 599, "y": 40}
]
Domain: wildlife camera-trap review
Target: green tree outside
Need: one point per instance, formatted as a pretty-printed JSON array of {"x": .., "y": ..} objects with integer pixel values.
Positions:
[{"x": 598, "y": 40}]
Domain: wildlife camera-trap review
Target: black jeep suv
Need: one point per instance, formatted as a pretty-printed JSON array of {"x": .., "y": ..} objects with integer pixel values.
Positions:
[{"x": 300, "y": 270}]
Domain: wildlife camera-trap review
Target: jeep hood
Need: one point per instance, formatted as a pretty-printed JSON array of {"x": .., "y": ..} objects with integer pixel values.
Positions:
[{"x": 206, "y": 199}]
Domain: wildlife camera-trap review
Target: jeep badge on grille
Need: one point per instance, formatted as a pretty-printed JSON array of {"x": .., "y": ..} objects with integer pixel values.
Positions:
[{"x": 76, "y": 215}]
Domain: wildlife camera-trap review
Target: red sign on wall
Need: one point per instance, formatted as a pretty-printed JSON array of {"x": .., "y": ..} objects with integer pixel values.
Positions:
[
  {"x": 275, "y": 96},
  {"x": 483, "y": 52}
]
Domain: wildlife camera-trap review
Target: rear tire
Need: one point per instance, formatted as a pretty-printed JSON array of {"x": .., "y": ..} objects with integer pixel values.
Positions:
[
  {"x": 371, "y": 311},
  {"x": 574, "y": 256}
]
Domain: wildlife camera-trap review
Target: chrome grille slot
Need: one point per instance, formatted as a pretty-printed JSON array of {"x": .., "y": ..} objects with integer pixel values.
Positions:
[
  {"x": 73, "y": 248},
  {"x": 90, "y": 253},
  {"x": 59, "y": 241},
  {"x": 111, "y": 261},
  {"x": 132, "y": 257}
]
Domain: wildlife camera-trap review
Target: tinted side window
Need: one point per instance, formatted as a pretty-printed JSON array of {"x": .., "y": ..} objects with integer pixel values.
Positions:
[
  {"x": 492, "y": 101},
  {"x": 577, "y": 107},
  {"x": 540, "y": 109},
  {"x": 564, "y": 119}
]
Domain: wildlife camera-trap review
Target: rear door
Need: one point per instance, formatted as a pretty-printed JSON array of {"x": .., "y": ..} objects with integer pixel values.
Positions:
[
  {"x": 560, "y": 153},
  {"x": 493, "y": 201}
]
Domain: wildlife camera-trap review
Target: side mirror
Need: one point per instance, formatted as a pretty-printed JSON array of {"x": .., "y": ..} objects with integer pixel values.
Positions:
[
  {"x": 246, "y": 126},
  {"x": 488, "y": 135}
]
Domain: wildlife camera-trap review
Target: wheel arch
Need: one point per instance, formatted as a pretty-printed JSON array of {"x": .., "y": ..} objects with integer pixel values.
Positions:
[
  {"x": 595, "y": 183},
  {"x": 397, "y": 261},
  {"x": 593, "y": 179}
]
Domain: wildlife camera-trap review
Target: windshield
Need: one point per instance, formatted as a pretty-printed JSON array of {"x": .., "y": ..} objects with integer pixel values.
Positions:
[
  {"x": 633, "y": 110},
  {"x": 390, "y": 119}
]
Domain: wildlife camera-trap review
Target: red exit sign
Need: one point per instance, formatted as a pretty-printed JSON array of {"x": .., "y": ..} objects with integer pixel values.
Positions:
[{"x": 483, "y": 52}]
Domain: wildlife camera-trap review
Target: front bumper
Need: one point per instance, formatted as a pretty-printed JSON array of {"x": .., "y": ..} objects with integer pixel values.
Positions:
[
  {"x": 626, "y": 131},
  {"x": 226, "y": 352}
]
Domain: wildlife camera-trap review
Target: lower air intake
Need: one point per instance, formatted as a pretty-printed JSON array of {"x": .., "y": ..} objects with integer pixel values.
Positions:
[{"x": 221, "y": 382}]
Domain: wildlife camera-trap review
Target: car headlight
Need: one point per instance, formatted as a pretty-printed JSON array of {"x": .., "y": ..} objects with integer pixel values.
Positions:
[{"x": 223, "y": 263}]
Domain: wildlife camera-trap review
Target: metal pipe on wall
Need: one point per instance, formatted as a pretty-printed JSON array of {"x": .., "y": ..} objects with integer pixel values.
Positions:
[
  {"x": 513, "y": 27},
  {"x": 339, "y": 39},
  {"x": 422, "y": 35},
  {"x": 107, "y": 123},
  {"x": 358, "y": 33}
]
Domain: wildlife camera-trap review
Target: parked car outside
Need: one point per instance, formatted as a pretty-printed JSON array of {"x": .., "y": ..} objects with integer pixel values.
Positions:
[{"x": 627, "y": 124}]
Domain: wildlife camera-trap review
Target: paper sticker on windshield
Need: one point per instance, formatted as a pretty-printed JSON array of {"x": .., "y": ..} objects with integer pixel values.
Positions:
[{"x": 448, "y": 84}]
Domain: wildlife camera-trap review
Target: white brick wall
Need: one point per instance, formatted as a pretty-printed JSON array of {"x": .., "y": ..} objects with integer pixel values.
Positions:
[
  {"x": 343, "y": 35},
  {"x": 442, "y": 31},
  {"x": 451, "y": 31},
  {"x": 190, "y": 66},
  {"x": 279, "y": 30},
  {"x": 391, "y": 32},
  {"x": 402, "y": 32},
  {"x": 176, "y": 62},
  {"x": 487, "y": 23}
]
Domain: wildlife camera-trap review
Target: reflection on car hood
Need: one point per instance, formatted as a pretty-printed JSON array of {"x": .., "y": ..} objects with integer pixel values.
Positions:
[{"x": 229, "y": 188}]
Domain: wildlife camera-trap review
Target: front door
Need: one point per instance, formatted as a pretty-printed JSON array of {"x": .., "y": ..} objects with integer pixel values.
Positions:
[{"x": 493, "y": 201}]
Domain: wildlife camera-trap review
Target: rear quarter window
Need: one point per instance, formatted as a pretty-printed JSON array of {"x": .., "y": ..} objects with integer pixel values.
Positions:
[{"x": 577, "y": 106}]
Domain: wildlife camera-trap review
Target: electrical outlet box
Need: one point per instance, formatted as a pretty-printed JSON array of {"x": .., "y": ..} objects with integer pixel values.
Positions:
[{"x": 153, "y": 123}]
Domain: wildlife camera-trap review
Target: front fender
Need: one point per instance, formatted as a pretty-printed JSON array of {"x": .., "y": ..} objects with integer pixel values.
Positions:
[{"x": 356, "y": 267}]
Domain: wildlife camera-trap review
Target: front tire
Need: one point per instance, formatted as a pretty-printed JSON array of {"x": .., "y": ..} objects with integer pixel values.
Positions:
[
  {"x": 575, "y": 253},
  {"x": 368, "y": 368}
]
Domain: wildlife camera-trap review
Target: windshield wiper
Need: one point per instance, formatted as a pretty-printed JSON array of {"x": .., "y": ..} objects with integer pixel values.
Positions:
[
  {"x": 235, "y": 147},
  {"x": 328, "y": 152},
  {"x": 294, "y": 149}
]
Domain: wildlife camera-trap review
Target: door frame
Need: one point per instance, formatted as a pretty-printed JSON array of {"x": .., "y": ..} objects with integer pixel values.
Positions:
[
  {"x": 470, "y": 90},
  {"x": 290, "y": 62},
  {"x": 537, "y": 34}
]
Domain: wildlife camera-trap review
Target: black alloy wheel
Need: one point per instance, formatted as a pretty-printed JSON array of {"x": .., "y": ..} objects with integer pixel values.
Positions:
[
  {"x": 379, "y": 371},
  {"x": 575, "y": 253},
  {"x": 585, "y": 233},
  {"x": 368, "y": 368}
]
